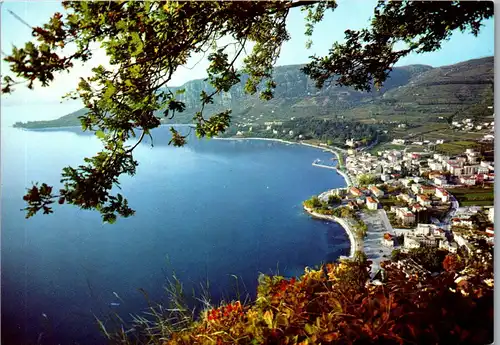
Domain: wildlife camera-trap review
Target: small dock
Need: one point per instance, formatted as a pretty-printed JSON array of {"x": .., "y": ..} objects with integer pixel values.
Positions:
[
  {"x": 319, "y": 163},
  {"x": 324, "y": 166}
]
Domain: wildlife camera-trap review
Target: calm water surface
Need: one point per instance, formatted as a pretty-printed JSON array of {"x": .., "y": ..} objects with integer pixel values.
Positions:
[{"x": 208, "y": 211}]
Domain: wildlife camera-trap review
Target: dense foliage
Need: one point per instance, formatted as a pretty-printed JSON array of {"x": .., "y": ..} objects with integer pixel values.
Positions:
[
  {"x": 146, "y": 43},
  {"x": 335, "y": 130},
  {"x": 337, "y": 304},
  {"x": 428, "y": 258},
  {"x": 334, "y": 200},
  {"x": 360, "y": 228},
  {"x": 326, "y": 208},
  {"x": 366, "y": 179},
  {"x": 331, "y": 131},
  {"x": 314, "y": 202}
]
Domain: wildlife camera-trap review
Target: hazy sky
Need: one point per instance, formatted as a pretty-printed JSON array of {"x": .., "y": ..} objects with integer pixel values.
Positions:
[{"x": 352, "y": 14}]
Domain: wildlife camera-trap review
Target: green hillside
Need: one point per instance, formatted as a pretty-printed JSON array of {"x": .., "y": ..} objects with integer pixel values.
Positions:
[
  {"x": 69, "y": 120},
  {"x": 413, "y": 94}
]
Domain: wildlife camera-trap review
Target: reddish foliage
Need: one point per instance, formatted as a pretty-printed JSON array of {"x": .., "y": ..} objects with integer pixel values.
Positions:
[
  {"x": 332, "y": 306},
  {"x": 450, "y": 263}
]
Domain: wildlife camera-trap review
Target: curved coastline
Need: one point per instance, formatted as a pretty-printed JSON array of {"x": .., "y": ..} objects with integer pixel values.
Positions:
[
  {"x": 356, "y": 244},
  {"x": 341, "y": 173}
]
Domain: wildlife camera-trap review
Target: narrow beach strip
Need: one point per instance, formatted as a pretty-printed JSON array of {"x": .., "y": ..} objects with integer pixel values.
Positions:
[{"x": 356, "y": 244}]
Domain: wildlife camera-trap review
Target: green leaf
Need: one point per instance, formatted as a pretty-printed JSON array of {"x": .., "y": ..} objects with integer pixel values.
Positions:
[
  {"x": 268, "y": 318},
  {"x": 121, "y": 25},
  {"x": 100, "y": 134},
  {"x": 309, "y": 329},
  {"x": 134, "y": 71},
  {"x": 110, "y": 90},
  {"x": 137, "y": 43},
  {"x": 111, "y": 218}
]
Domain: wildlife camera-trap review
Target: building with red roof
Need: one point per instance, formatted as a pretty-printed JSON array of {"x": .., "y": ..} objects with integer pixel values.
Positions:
[
  {"x": 424, "y": 200},
  {"x": 355, "y": 191},
  {"x": 371, "y": 203}
]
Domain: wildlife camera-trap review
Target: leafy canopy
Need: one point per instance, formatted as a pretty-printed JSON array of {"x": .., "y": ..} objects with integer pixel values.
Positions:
[
  {"x": 366, "y": 179},
  {"x": 147, "y": 41}
]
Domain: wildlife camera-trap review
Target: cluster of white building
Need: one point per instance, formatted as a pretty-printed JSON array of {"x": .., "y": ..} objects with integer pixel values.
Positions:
[
  {"x": 424, "y": 235},
  {"x": 419, "y": 143},
  {"x": 441, "y": 236},
  {"x": 388, "y": 165},
  {"x": 425, "y": 197},
  {"x": 469, "y": 125},
  {"x": 463, "y": 216},
  {"x": 443, "y": 171},
  {"x": 352, "y": 143},
  {"x": 366, "y": 163},
  {"x": 356, "y": 197},
  {"x": 468, "y": 168}
]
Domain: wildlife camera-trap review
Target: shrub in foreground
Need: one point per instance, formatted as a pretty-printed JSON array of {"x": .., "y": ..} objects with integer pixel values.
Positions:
[{"x": 337, "y": 304}]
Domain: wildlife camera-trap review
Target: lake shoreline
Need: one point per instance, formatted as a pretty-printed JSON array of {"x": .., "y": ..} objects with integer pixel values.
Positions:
[
  {"x": 356, "y": 244},
  {"x": 346, "y": 177}
]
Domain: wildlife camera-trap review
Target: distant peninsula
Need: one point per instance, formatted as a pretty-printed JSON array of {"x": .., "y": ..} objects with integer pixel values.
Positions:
[{"x": 415, "y": 100}]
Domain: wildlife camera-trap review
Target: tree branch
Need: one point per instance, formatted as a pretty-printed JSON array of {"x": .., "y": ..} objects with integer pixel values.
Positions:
[
  {"x": 138, "y": 141},
  {"x": 301, "y": 3}
]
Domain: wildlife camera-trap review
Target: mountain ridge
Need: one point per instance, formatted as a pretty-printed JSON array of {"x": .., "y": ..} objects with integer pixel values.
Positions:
[{"x": 416, "y": 91}]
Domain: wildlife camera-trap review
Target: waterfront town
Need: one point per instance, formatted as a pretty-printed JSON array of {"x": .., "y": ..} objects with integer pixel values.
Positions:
[{"x": 409, "y": 199}]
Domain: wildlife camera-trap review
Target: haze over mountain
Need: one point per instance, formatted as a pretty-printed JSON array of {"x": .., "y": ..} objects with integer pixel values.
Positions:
[{"x": 416, "y": 91}]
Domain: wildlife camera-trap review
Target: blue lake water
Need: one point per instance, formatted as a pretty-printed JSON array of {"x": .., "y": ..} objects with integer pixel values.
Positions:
[{"x": 209, "y": 210}]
